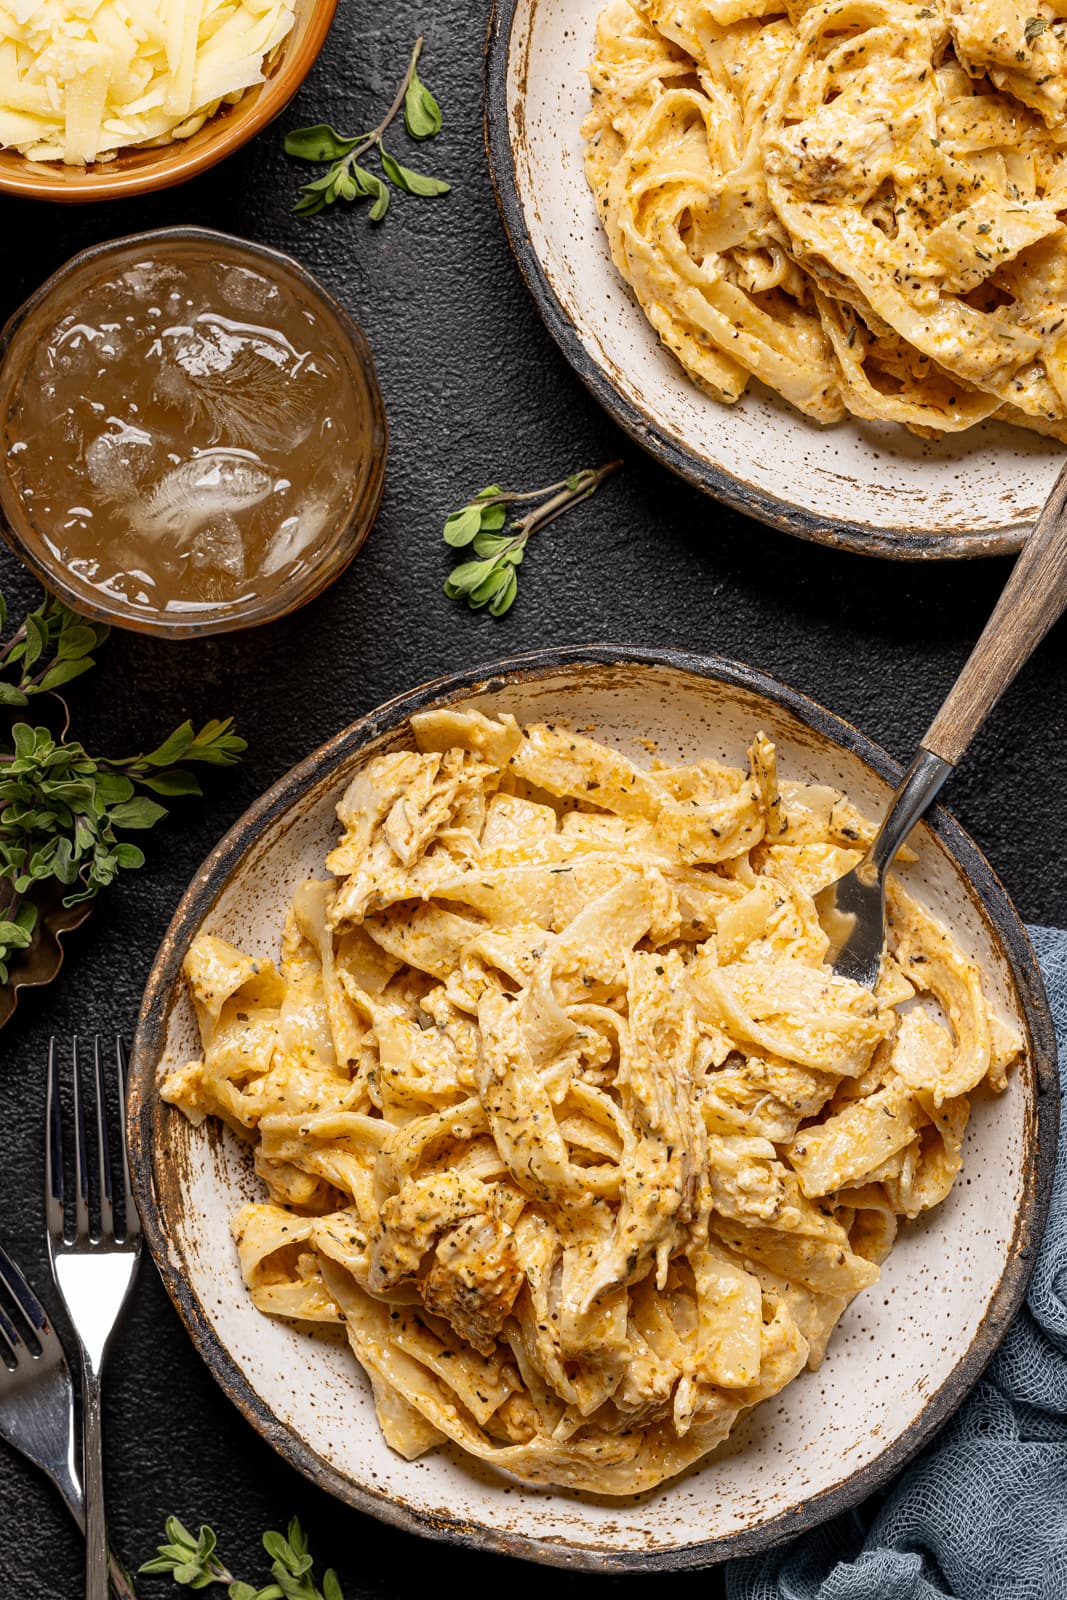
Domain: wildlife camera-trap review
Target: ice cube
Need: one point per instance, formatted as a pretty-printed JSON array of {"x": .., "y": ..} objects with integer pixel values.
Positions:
[
  {"x": 195, "y": 491},
  {"x": 148, "y": 280},
  {"x": 203, "y": 350},
  {"x": 76, "y": 353},
  {"x": 170, "y": 385},
  {"x": 241, "y": 390},
  {"x": 218, "y": 547},
  {"x": 296, "y": 535},
  {"x": 117, "y": 461},
  {"x": 248, "y": 291},
  {"x": 114, "y": 343}
]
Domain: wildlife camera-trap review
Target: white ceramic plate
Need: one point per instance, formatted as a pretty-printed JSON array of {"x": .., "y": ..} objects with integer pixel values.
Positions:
[
  {"x": 906, "y": 1351},
  {"x": 864, "y": 486}
]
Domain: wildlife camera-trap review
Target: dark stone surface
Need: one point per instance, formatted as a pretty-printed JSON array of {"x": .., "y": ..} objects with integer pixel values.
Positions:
[{"x": 475, "y": 391}]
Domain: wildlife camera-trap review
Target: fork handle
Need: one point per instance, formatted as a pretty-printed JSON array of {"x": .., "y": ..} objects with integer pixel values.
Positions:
[
  {"x": 1033, "y": 598},
  {"x": 121, "y": 1583},
  {"x": 96, "y": 1545},
  {"x": 915, "y": 794},
  {"x": 64, "y": 1474}
]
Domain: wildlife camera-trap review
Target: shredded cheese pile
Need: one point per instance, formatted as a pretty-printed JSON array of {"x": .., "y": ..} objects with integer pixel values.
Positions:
[
  {"x": 559, "y": 1108},
  {"x": 859, "y": 202},
  {"x": 82, "y": 79}
]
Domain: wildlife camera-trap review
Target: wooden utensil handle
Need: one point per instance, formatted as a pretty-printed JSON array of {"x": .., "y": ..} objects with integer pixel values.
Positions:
[{"x": 1033, "y": 598}]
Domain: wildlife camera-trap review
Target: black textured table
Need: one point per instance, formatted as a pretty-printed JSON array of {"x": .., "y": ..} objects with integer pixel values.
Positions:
[{"x": 476, "y": 392}]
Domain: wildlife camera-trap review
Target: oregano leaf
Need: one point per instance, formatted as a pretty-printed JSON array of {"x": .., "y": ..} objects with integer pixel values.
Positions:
[
  {"x": 374, "y": 186},
  {"x": 310, "y": 205},
  {"x": 36, "y": 639},
  {"x": 76, "y": 641},
  {"x": 319, "y": 143},
  {"x": 411, "y": 182},
  {"x": 462, "y": 580},
  {"x": 422, "y": 114},
  {"x": 490, "y": 544},
  {"x": 462, "y": 526},
  {"x": 137, "y": 813},
  {"x": 65, "y": 672}
]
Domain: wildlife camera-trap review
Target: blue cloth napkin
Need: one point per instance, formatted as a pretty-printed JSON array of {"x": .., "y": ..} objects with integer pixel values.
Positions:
[{"x": 981, "y": 1514}]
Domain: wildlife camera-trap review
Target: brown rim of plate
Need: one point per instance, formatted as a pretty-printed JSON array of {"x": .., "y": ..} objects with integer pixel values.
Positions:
[
  {"x": 895, "y": 544},
  {"x": 336, "y": 557},
  {"x": 142, "y": 169},
  {"x": 1039, "y": 1156}
]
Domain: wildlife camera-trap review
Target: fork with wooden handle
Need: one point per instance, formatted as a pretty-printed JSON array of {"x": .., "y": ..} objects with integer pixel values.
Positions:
[
  {"x": 1033, "y": 598},
  {"x": 37, "y": 1399},
  {"x": 93, "y": 1268}
]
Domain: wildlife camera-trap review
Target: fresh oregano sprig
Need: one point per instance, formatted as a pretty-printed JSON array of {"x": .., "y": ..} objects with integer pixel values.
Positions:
[
  {"x": 491, "y": 579},
  {"x": 190, "y": 1561},
  {"x": 62, "y": 810},
  {"x": 193, "y": 1563},
  {"x": 346, "y": 178},
  {"x": 50, "y": 649}
]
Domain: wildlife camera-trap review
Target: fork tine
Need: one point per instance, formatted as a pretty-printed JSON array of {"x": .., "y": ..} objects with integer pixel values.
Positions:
[
  {"x": 103, "y": 1147},
  {"x": 13, "y": 1281},
  {"x": 81, "y": 1165},
  {"x": 10, "y": 1341},
  {"x": 53, "y": 1148},
  {"x": 132, "y": 1227}
]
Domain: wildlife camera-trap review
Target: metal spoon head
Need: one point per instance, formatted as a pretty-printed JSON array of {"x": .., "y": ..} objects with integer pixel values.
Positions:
[
  {"x": 858, "y": 900},
  {"x": 859, "y": 896}
]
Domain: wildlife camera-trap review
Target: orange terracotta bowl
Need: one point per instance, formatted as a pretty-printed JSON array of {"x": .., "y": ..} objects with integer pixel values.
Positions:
[{"x": 139, "y": 171}]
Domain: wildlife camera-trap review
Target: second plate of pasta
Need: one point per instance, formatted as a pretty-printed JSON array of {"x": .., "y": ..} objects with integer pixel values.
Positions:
[
  {"x": 512, "y": 1156},
  {"x": 806, "y": 255}
]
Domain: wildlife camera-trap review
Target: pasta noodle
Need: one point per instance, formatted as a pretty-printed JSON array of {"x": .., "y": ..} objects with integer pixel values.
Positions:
[
  {"x": 560, "y": 1109},
  {"x": 858, "y": 202}
]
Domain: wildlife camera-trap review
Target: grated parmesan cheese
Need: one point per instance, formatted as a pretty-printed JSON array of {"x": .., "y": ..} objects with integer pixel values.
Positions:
[{"x": 81, "y": 79}]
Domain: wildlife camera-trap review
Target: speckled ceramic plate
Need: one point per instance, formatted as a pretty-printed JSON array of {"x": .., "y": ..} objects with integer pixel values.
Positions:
[
  {"x": 905, "y": 1353},
  {"x": 862, "y": 486}
]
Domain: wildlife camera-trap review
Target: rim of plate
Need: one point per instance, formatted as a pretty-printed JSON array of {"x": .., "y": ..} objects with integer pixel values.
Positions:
[
  {"x": 897, "y": 544},
  {"x": 1039, "y": 1147}
]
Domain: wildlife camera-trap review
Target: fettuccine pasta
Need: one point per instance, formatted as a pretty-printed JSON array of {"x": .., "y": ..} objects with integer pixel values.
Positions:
[
  {"x": 559, "y": 1108},
  {"x": 859, "y": 202}
]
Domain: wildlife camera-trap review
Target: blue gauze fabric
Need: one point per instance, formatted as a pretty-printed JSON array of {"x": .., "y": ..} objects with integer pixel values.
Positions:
[{"x": 981, "y": 1514}]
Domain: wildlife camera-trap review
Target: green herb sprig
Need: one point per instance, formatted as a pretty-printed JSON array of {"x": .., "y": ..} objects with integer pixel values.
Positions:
[
  {"x": 492, "y": 579},
  {"x": 61, "y": 809},
  {"x": 50, "y": 649},
  {"x": 346, "y": 178},
  {"x": 193, "y": 1564}
]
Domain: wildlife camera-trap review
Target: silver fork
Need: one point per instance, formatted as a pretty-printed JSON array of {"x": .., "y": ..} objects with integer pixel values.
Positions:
[
  {"x": 1033, "y": 598},
  {"x": 93, "y": 1270},
  {"x": 37, "y": 1400}
]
